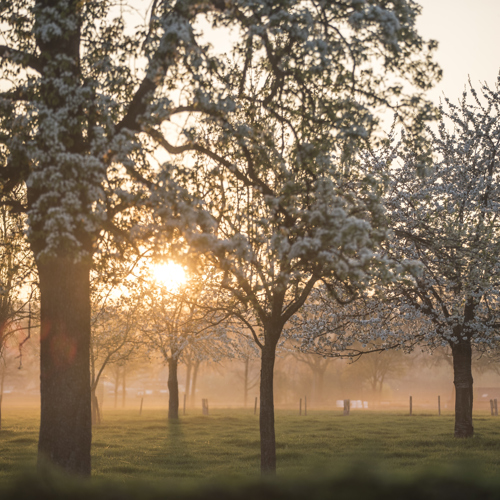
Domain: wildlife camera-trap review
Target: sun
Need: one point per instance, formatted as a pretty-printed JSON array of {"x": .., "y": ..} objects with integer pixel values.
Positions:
[{"x": 170, "y": 275}]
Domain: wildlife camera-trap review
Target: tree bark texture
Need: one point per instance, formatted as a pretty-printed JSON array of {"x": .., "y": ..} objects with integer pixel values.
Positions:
[
  {"x": 462, "y": 370},
  {"x": 267, "y": 433},
  {"x": 173, "y": 390},
  {"x": 65, "y": 420}
]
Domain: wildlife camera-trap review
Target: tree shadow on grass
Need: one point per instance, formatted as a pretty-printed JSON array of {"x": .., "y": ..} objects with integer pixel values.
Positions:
[{"x": 173, "y": 455}]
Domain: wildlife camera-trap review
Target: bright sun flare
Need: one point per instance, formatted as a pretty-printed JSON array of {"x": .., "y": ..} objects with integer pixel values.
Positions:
[{"x": 170, "y": 275}]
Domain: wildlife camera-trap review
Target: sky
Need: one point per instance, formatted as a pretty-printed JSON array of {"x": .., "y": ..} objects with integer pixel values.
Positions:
[{"x": 468, "y": 32}]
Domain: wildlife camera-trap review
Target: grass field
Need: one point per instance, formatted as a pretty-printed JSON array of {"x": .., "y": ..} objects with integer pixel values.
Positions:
[{"x": 226, "y": 444}]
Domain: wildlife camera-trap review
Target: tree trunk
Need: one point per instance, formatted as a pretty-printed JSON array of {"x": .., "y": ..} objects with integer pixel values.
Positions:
[
  {"x": 320, "y": 382},
  {"x": 96, "y": 414},
  {"x": 462, "y": 370},
  {"x": 245, "y": 382},
  {"x": 267, "y": 434},
  {"x": 65, "y": 420},
  {"x": 117, "y": 384},
  {"x": 173, "y": 390},
  {"x": 381, "y": 384},
  {"x": 189, "y": 367},
  {"x": 193, "y": 384},
  {"x": 124, "y": 386}
]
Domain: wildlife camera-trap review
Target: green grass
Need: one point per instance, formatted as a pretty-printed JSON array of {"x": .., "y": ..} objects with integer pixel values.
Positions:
[{"x": 226, "y": 444}]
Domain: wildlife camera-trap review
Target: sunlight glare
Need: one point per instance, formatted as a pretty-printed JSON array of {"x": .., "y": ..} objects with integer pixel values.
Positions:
[{"x": 170, "y": 275}]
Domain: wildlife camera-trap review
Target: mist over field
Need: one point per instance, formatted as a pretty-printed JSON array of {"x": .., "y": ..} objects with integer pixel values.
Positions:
[
  {"x": 247, "y": 251},
  {"x": 379, "y": 381}
]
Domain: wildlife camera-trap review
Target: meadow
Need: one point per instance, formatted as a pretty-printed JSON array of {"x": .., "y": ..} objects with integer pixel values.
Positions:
[{"x": 225, "y": 444}]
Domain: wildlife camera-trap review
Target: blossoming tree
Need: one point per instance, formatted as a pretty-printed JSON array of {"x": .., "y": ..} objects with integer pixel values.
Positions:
[
  {"x": 290, "y": 208},
  {"x": 446, "y": 219},
  {"x": 182, "y": 325},
  {"x": 79, "y": 87},
  {"x": 85, "y": 92}
]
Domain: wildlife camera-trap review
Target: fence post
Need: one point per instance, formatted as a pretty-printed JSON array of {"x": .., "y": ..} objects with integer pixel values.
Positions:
[
  {"x": 439, "y": 405},
  {"x": 204, "y": 406},
  {"x": 305, "y": 405},
  {"x": 300, "y": 406},
  {"x": 411, "y": 406},
  {"x": 184, "y": 408},
  {"x": 140, "y": 409},
  {"x": 255, "y": 407},
  {"x": 492, "y": 409},
  {"x": 495, "y": 402},
  {"x": 347, "y": 406}
]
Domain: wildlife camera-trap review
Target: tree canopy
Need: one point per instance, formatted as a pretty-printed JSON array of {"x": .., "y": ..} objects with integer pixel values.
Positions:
[
  {"x": 83, "y": 115},
  {"x": 446, "y": 220}
]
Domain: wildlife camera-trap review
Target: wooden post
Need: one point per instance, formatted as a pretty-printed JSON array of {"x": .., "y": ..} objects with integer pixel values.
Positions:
[
  {"x": 411, "y": 406},
  {"x": 492, "y": 408},
  {"x": 300, "y": 406},
  {"x": 204, "y": 406},
  {"x": 347, "y": 406},
  {"x": 439, "y": 405},
  {"x": 184, "y": 408},
  {"x": 140, "y": 409},
  {"x": 255, "y": 407},
  {"x": 305, "y": 406},
  {"x": 495, "y": 403}
]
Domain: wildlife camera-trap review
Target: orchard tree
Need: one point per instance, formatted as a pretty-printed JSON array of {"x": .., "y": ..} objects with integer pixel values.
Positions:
[
  {"x": 179, "y": 322},
  {"x": 80, "y": 88},
  {"x": 291, "y": 209},
  {"x": 113, "y": 342},
  {"x": 192, "y": 363},
  {"x": 18, "y": 297},
  {"x": 318, "y": 365},
  {"x": 69, "y": 125},
  {"x": 85, "y": 91},
  {"x": 18, "y": 289},
  {"x": 374, "y": 370},
  {"x": 247, "y": 354},
  {"x": 447, "y": 219},
  {"x": 114, "y": 339}
]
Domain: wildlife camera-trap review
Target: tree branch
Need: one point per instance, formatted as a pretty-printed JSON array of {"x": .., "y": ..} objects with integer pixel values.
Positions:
[{"x": 19, "y": 57}]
